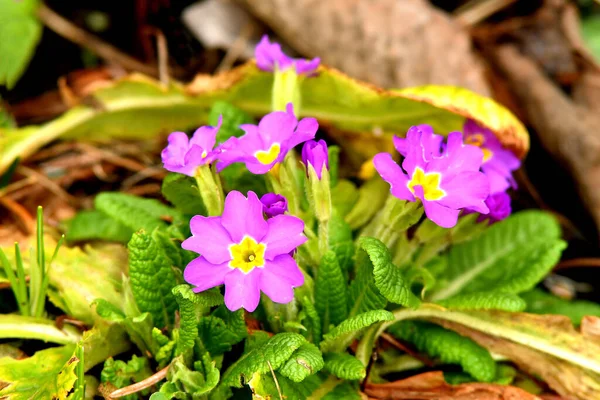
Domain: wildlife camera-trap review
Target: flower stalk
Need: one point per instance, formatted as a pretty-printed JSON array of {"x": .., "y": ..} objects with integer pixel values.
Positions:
[{"x": 210, "y": 188}]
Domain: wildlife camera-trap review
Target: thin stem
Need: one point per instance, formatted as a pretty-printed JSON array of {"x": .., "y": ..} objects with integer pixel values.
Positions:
[
  {"x": 210, "y": 189},
  {"x": 20, "y": 327},
  {"x": 146, "y": 383},
  {"x": 14, "y": 283},
  {"x": 22, "y": 282}
]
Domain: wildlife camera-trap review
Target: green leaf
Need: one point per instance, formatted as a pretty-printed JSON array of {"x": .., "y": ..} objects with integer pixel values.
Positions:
[
  {"x": 345, "y": 366},
  {"x": 364, "y": 295},
  {"x": 540, "y": 302},
  {"x": 340, "y": 240},
  {"x": 342, "y": 335},
  {"x": 333, "y": 153},
  {"x": 331, "y": 297},
  {"x": 275, "y": 352},
  {"x": 237, "y": 177},
  {"x": 134, "y": 212},
  {"x": 198, "y": 382},
  {"x": 52, "y": 371},
  {"x": 485, "y": 301},
  {"x": 182, "y": 192},
  {"x": 371, "y": 198},
  {"x": 139, "y": 107},
  {"x": 310, "y": 318},
  {"x": 305, "y": 361},
  {"x": 152, "y": 278},
  {"x": 120, "y": 373},
  {"x": 104, "y": 340},
  {"x": 448, "y": 346},
  {"x": 511, "y": 256},
  {"x": 95, "y": 225},
  {"x": 20, "y": 32},
  {"x": 388, "y": 277},
  {"x": 264, "y": 387},
  {"x": 344, "y": 390},
  {"x": 233, "y": 117},
  {"x": 220, "y": 331},
  {"x": 590, "y": 29},
  {"x": 343, "y": 197}
]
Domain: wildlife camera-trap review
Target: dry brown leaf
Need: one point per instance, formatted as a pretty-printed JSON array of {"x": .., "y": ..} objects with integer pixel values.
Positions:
[
  {"x": 431, "y": 385},
  {"x": 387, "y": 42}
]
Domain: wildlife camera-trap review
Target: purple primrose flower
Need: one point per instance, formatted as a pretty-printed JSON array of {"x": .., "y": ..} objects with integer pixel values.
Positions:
[
  {"x": 267, "y": 143},
  {"x": 274, "y": 204},
  {"x": 499, "y": 205},
  {"x": 270, "y": 57},
  {"x": 316, "y": 154},
  {"x": 246, "y": 253},
  {"x": 185, "y": 155},
  {"x": 445, "y": 181},
  {"x": 498, "y": 162}
]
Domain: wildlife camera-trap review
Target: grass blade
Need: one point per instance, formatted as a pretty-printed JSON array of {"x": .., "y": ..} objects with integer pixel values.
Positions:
[
  {"x": 22, "y": 282},
  {"x": 14, "y": 284}
]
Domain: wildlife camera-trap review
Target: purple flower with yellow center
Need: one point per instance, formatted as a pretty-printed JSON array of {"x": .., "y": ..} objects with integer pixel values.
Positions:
[
  {"x": 274, "y": 204},
  {"x": 445, "y": 181},
  {"x": 267, "y": 143},
  {"x": 246, "y": 253},
  {"x": 270, "y": 57},
  {"x": 184, "y": 155},
  {"x": 315, "y": 154},
  {"x": 498, "y": 162}
]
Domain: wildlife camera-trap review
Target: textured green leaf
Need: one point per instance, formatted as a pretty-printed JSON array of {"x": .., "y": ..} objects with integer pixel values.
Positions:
[
  {"x": 364, "y": 295},
  {"x": 237, "y": 177},
  {"x": 344, "y": 390},
  {"x": 120, "y": 373},
  {"x": 275, "y": 352},
  {"x": 345, "y": 366},
  {"x": 448, "y": 346},
  {"x": 341, "y": 241},
  {"x": 540, "y": 302},
  {"x": 305, "y": 361},
  {"x": 388, "y": 277},
  {"x": 485, "y": 301},
  {"x": 182, "y": 192},
  {"x": 52, "y": 371},
  {"x": 342, "y": 335},
  {"x": 134, "y": 212},
  {"x": 331, "y": 297},
  {"x": 222, "y": 330},
  {"x": 20, "y": 32},
  {"x": 343, "y": 197},
  {"x": 233, "y": 117},
  {"x": 264, "y": 387},
  {"x": 511, "y": 256},
  {"x": 95, "y": 225},
  {"x": 200, "y": 381},
  {"x": 310, "y": 319},
  {"x": 152, "y": 278}
]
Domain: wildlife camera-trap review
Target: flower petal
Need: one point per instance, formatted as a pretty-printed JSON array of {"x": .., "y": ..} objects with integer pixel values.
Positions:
[
  {"x": 209, "y": 238},
  {"x": 393, "y": 174},
  {"x": 205, "y": 136},
  {"x": 307, "y": 67},
  {"x": 285, "y": 233},
  {"x": 205, "y": 275},
  {"x": 276, "y": 127},
  {"x": 466, "y": 190},
  {"x": 242, "y": 290},
  {"x": 243, "y": 216},
  {"x": 279, "y": 277},
  {"x": 443, "y": 216},
  {"x": 306, "y": 130}
]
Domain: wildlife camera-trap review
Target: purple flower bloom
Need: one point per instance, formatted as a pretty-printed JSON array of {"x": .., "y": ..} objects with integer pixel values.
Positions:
[
  {"x": 499, "y": 205},
  {"x": 274, "y": 204},
  {"x": 315, "y": 154},
  {"x": 445, "y": 182},
  {"x": 185, "y": 155},
  {"x": 270, "y": 57},
  {"x": 267, "y": 144},
  {"x": 498, "y": 163},
  {"x": 246, "y": 253}
]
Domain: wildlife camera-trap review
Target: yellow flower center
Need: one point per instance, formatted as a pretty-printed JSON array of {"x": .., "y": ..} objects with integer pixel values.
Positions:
[
  {"x": 204, "y": 154},
  {"x": 247, "y": 255},
  {"x": 430, "y": 182},
  {"x": 266, "y": 157},
  {"x": 478, "y": 140}
]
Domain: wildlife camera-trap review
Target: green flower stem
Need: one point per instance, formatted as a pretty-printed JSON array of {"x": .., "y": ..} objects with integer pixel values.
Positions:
[
  {"x": 283, "y": 180},
  {"x": 318, "y": 192},
  {"x": 401, "y": 363},
  {"x": 211, "y": 191},
  {"x": 286, "y": 89},
  {"x": 19, "y": 327},
  {"x": 326, "y": 387},
  {"x": 395, "y": 218}
]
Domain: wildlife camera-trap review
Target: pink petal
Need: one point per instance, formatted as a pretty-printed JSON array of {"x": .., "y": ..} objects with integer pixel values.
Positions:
[
  {"x": 466, "y": 190},
  {"x": 276, "y": 127},
  {"x": 443, "y": 216},
  {"x": 243, "y": 216},
  {"x": 285, "y": 233},
  {"x": 204, "y": 275},
  {"x": 393, "y": 174},
  {"x": 306, "y": 130},
  {"x": 285, "y": 268},
  {"x": 242, "y": 290},
  {"x": 209, "y": 238}
]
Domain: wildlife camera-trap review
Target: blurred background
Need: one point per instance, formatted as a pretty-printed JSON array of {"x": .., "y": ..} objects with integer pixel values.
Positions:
[{"x": 539, "y": 58}]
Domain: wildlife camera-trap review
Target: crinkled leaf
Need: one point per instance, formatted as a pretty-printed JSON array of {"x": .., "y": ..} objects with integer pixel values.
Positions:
[
  {"x": 182, "y": 192},
  {"x": 540, "y": 302},
  {"x": 264, "y": 388},
  {"x": 344, "y": 390},
  {"x": 448, "y": 346},
  {"x": 134, "y": 212},
  {"x": 485, "y": 301},
  {"x": 331, "y": 297},
  {"x": 345, "y": 366},
  {"x": 152, "y": 278},
  {"x": 512, "y": 256},
  {"x": 120, "y": 373},
  {"x": 305, "y": 361},
  {"x": 52, "y": 370},
  {"x": 341, "y": 241},
  {"x": 388, "y": 277},
  {"x": 199, "y": 381},
  {"x": 342, "y": 335},
  {"x": 363, "y": 293},
  {"x": 311, "y": 320},
  {"x": 276, "y": 351},
  {"x": 95, "y": 225},
  {"x": 221, "y": 330}
]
